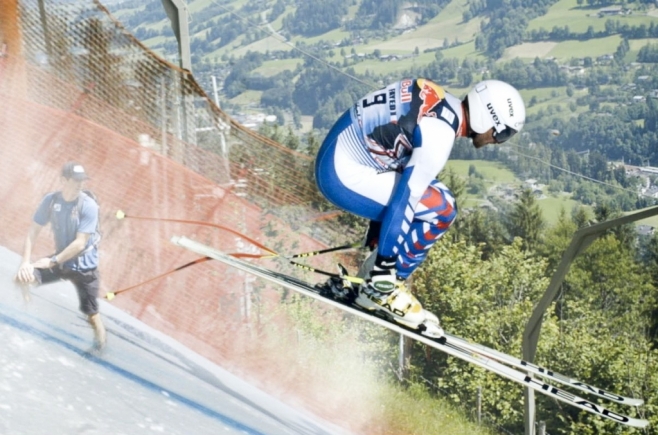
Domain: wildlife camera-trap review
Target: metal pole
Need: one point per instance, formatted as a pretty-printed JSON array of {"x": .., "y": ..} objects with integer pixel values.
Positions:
[
  {"x": 580, "y": 241},
  {"x": 44, "y": 25},
  {"x": 163, "y": 115},
  {"x": 479, "y": 405},
  {"x": 401, "y": 356},
  {"x": 541, "y": 430},
  {"x": 177, "y": 12},
  {"x": 529, "y": 414},
  {"x": 214, "y": 88}
]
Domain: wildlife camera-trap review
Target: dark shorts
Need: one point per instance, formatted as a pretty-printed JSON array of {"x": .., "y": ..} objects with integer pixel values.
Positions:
[{"x": 86, "y": 283}]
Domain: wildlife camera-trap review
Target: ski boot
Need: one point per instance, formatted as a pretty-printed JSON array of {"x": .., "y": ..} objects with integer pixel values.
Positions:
[
  {"x": 388, "y": 297},
  {"x": 400, "y": 306}
]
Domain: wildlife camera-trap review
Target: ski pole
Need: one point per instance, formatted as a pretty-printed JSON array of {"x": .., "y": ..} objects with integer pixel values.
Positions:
[
  {"x": 352, "y": 279},
  {"x": 311, "y": 254},
  {"x": 325, "y": 251},
  {"x": 111, "y": 295}
]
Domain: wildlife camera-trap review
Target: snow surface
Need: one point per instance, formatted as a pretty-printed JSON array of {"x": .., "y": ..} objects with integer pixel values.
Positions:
[{"x": 144, "y": 383}]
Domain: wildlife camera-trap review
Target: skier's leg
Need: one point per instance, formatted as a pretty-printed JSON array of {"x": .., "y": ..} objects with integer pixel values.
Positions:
[
  {"x": 346, "y": 179},
  {"x": 434, "y": 214}
]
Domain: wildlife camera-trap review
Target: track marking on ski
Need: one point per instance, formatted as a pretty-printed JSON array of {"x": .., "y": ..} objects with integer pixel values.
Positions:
[
  {"x": 456, "y": 347},
  {"x": 544, "y": 372}
]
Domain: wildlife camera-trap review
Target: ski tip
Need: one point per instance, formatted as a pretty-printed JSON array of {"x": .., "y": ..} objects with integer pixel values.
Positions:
[
  {"x": 637, "y": 422},
  {"x": 633, "y": 402},
  {"x": 120, "y": 214}
]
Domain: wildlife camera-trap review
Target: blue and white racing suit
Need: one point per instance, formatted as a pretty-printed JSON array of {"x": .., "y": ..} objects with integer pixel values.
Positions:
[{"x": 381, "y": 159}]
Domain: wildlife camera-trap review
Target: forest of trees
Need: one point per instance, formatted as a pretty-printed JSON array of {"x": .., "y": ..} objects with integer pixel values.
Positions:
[{"x": 602, "y": 325}]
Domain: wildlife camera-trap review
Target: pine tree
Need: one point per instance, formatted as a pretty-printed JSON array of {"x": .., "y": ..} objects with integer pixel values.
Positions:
[{"x": 526, "y": 220}]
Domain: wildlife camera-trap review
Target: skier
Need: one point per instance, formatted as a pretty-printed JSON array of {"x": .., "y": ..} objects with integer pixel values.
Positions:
[{"x": 380, "y": 161}]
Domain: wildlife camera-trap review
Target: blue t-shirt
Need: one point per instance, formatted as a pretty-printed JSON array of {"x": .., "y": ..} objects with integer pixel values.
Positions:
[{"x": 66, "y": 221}]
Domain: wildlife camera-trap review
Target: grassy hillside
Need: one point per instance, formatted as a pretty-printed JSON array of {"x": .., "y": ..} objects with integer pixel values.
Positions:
[{"x": 447, "y": 32}]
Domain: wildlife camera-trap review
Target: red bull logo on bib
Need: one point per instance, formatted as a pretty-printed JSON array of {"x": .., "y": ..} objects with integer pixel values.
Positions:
[{"x": 431, "y": 94}]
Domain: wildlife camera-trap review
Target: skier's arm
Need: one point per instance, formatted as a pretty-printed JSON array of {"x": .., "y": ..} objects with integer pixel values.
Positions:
[{"x": 433, "y": 141}]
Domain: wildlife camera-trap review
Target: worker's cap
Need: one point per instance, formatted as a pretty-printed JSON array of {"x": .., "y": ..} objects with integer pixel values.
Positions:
[{"x": 74, "y": 170}]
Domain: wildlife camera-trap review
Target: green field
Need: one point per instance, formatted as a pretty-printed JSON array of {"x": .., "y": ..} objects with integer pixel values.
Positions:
[
  {"x": 547, "y": 97},
  {"x": 551, "y": 207},
  {"x": 464, "y": 51},
  {"x": 495, "y": 173},
  {"x": 272, "y": 67},
  {"x": 379, "y": 67},
  {"x": 592, "y": 48},
  {"x": 568, "y": 13},
  {"x": 635, "y": 46},
  {"x": 652, "y": 221},
  {"x": 580, "y": 18},
  {"x": 247, "y": 98}
]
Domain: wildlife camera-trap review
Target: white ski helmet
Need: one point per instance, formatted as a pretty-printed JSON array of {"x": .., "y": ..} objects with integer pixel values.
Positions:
[{"x": 492, "y": 103}]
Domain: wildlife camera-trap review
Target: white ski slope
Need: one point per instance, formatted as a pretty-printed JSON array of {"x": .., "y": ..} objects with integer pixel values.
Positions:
[{"x": 145, "y": 382}]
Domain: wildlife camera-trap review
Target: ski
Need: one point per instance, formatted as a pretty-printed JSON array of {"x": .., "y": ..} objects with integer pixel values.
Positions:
[
  {"x": 544, "y": 372},
  {"x": 453, "y": 346}
]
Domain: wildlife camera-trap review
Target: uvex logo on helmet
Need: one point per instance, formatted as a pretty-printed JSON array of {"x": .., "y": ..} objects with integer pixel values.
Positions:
[
  {"x": 510, "y": 106},
  {"x": 492, "y": 111}
]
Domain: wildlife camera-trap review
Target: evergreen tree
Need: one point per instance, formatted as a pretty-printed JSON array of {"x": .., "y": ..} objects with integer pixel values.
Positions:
[
  {"x": 526, "y": 220},
  {"x": 625, "y": 234},
  {"x": 557, "y": 240},
  {"x": 485, "y": 229},
  {"x": 580, "y": 217}
]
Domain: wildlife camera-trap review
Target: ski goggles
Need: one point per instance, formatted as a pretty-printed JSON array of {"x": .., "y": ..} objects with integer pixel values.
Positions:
[{"x": 504, "y": 135}]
